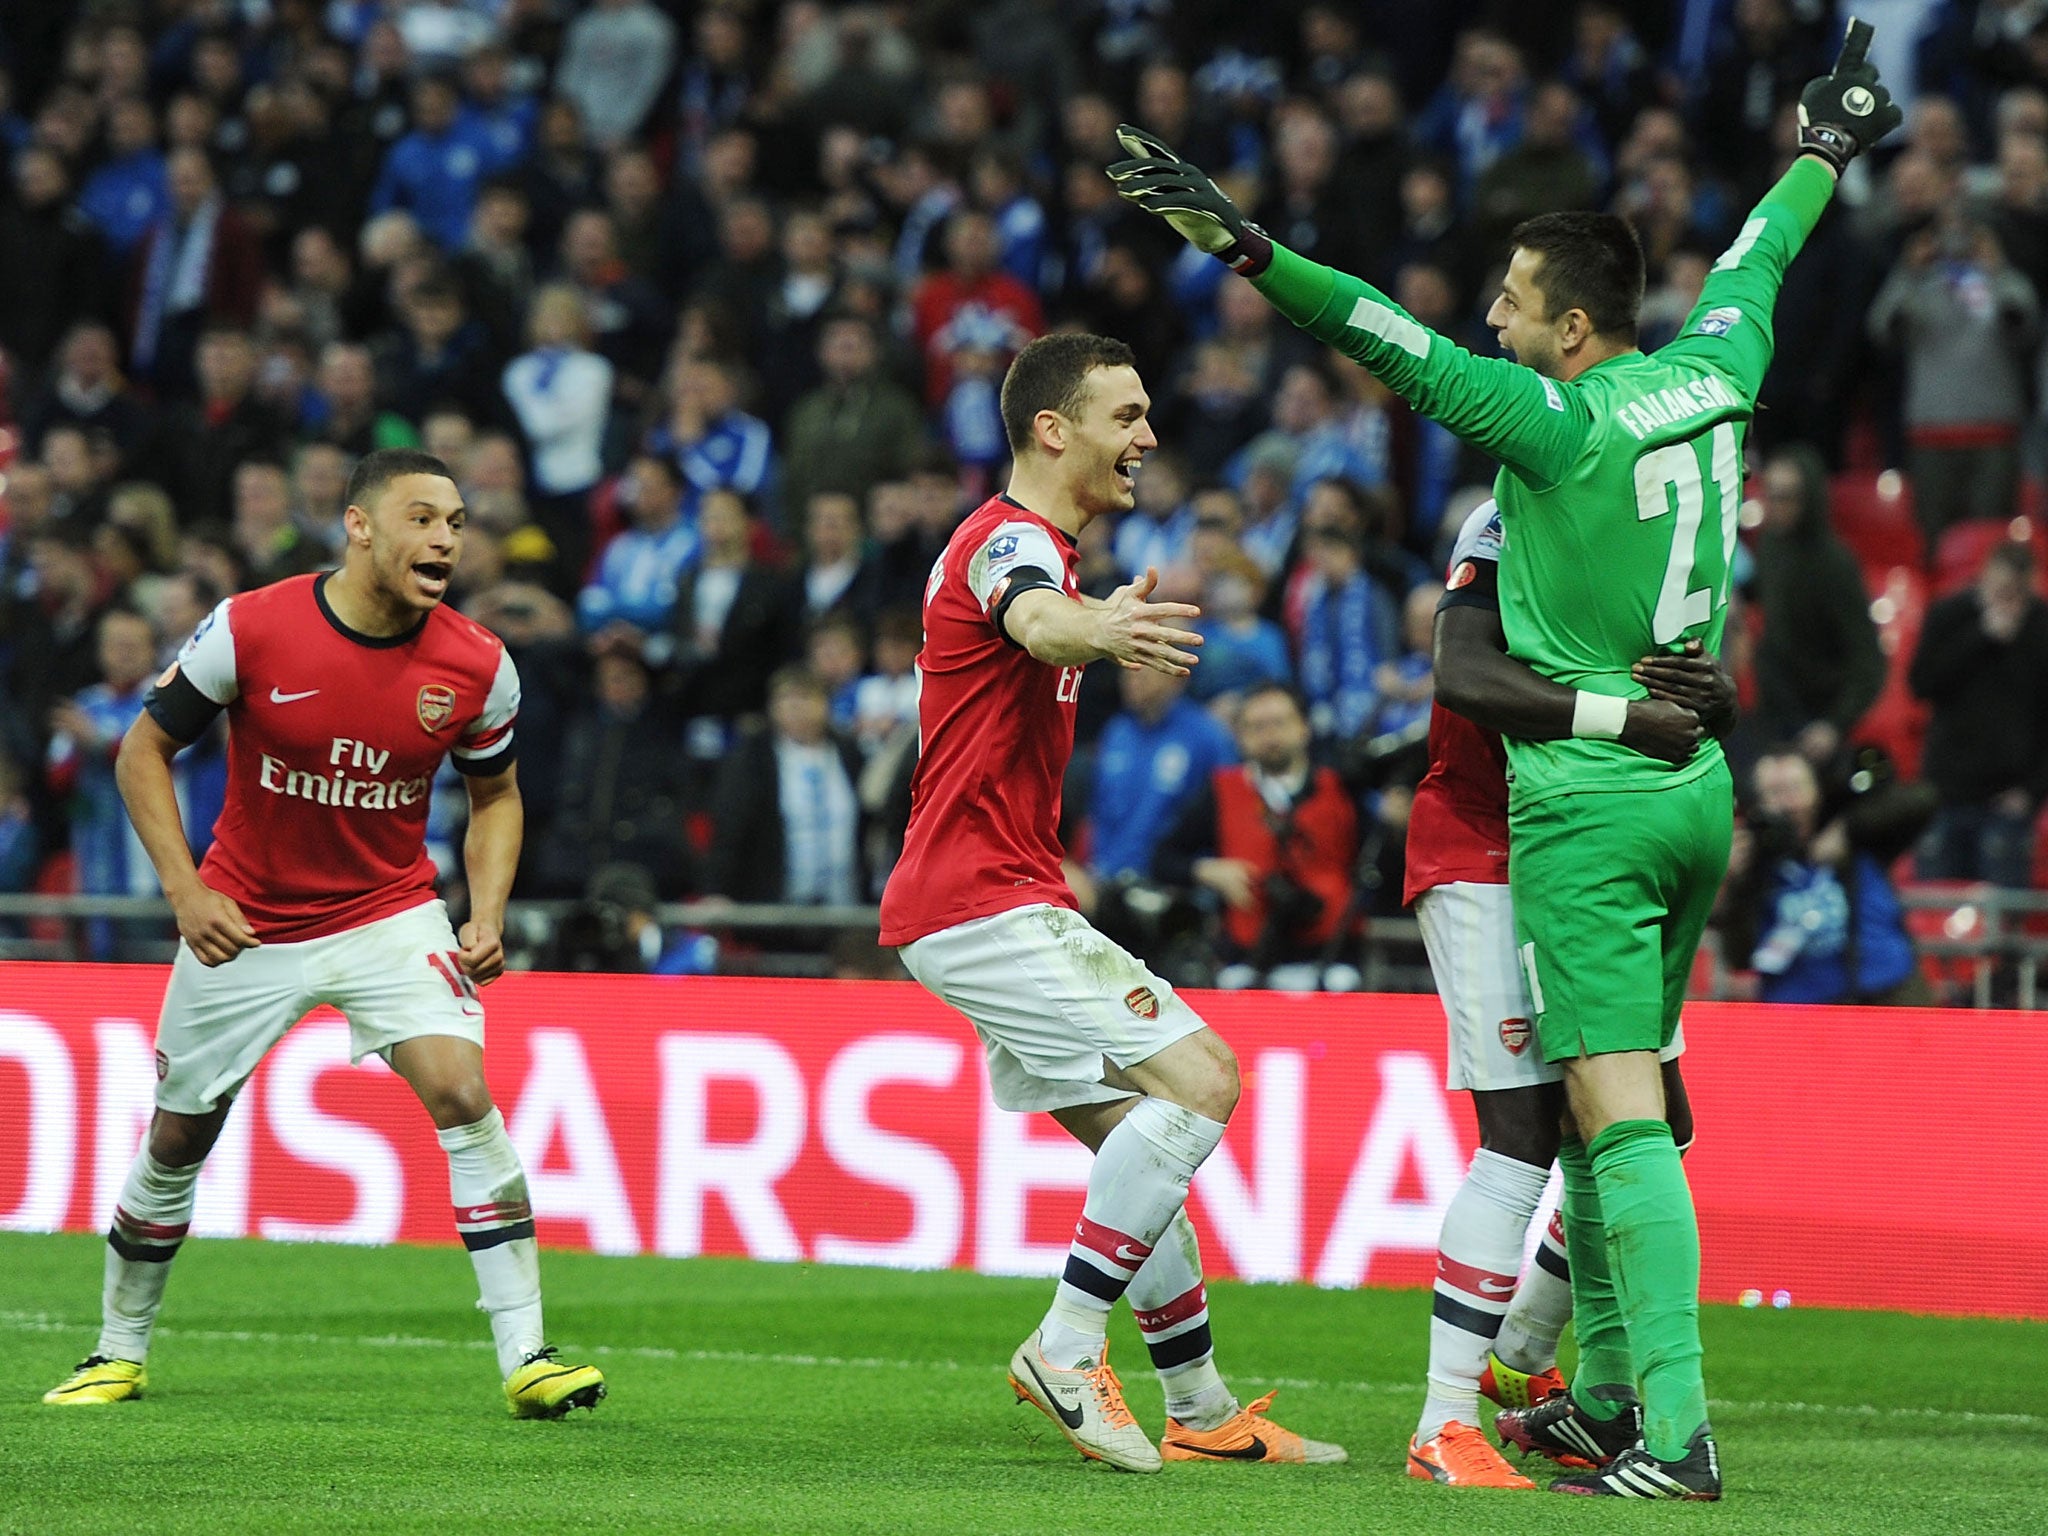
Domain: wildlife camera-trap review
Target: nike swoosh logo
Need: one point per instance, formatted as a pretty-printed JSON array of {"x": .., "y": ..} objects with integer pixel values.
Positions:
[
  {"x": 1495, "y": 1288},
  {"x": 1126, "y": 1255},
  {"x": 1071, "y": 1417},
  {"x": 1256, "y": 1451},
  {"x": 290, "y": 698}
]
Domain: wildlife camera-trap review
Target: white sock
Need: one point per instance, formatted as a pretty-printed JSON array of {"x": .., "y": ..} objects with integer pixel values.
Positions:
[
  {"x": 150, "y": 1221},
  {"x": 1172, "y": 1308},
  {"x": 1478, "y": 1254},
  {"x": 495, "y": 1218},
  {"x": 1138, "y": 1184},
  {"x": 1543, "y": 1305}
]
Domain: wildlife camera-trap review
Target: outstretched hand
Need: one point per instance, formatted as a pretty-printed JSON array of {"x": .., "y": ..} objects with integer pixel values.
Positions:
[
  {"x": 1847, "y": 110},
  {"x": 1140, "y": 635},
  {"x": 1158, "y": 181}
]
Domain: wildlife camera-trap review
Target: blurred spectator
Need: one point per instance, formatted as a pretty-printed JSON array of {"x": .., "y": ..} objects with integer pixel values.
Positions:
[
  {"x": 85, "y": 733},
  {"x": 1308, "y": 208},
  {"x": 1756, "y": 65},
  {"x": 79, "y": 476},
  {"x": 622, "y": 784},
  {"x": 786, "y": 815},
  {"x": 835, "y": 650},
  {"x": 1964, "y": 322},
  {"x": 1818, "y": 665},
  {"x": 1406, "y": 684},
  {"x": 495, "y": 268},
  {"x": 562, "y": 175},
  {"x": 857, "y": 427},
  {"x": 717, "y": 445},
  {"x": 1548, "y": 171},
  {"x": 1154, "y": 756},
  {"x": 1983, "y": 666},
  {"x": 55, "y": 263},
  {"x": 199, "y": 266},
  {"x": 1346, "y": 631},
  {"x": 320, "y": 491},
  {"x": 885, "y": 702},
  {"x": 969, "y": 303},
  {"x": 615, "y": 929},
  {"x": 345, "y": 409},
  {"x": 615, "y": 57},
  {"x": 437, "y": 354},
  {"x": 560, "y": 392},
  {"x": 1477, "y": 115},
  {"x": 271, "y": 543},
  {"x": 1159, "y": 531},
  {"x": 638, "y": 571},
  {"x": 1213, "y": 409},
  {"x": 131, "y": 189},
  {"x": 1240, "y": 649},
  {"x": 87, "y": 390},
  {"x": 1609, "y": 67},
  {"x": 1808, "y": 905},
  {"x": 1274, "y": 839},
  {"x": 732, "y": 627},
  {"x": 500, "y": 114},
  {"x": 629, "y": 323},
  {"x": 19, "y": 844},
  {"x": 434, "y": 171},
  {"x": 834, "y": 577},
  {"x": 200, "y": 443}
]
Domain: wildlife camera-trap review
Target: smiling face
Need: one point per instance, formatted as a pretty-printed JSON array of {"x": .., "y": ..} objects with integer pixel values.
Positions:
[
  {"x": 411, "y": 537},
  {"x": 1108, "y": 438}
]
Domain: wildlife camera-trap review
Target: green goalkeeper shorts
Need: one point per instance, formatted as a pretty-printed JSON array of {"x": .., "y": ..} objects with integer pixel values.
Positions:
[{"x": 1612, "y": 890}]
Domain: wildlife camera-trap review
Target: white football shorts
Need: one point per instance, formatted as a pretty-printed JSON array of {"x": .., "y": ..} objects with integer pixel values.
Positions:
[
  {"x": 394, "y": 979},
  {"x": 1468, "y": 927},
  {"x": 1052, "y": 999}
]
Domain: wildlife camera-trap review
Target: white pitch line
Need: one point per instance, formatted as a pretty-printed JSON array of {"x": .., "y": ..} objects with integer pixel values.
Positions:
[{"x": 43, "y": 1322}]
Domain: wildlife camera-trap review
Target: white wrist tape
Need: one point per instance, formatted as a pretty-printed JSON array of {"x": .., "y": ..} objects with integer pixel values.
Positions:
[{"x": 1600, "y": 715}]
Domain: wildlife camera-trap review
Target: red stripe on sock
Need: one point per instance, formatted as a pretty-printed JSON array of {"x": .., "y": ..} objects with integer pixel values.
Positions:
[
  {"x": 1483, "y": 1283},
  {"x": 157, "y": 1231},
  {"x": 1118, "y": 1249},
  {"x": 502, "y": 1212},
  {"x": 1555, "y": 1231},
  {"x": 1177, "y": 1311}
]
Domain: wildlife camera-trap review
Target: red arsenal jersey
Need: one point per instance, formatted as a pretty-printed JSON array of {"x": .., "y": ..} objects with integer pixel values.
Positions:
[
  {"x": 1458, "y": 828},
  {"x": 995, "y": 731},
  {"x": 333, "y": 742}
]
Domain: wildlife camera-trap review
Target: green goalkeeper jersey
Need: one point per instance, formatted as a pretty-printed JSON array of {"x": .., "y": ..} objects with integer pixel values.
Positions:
[{"x": 1619, "y": 490}]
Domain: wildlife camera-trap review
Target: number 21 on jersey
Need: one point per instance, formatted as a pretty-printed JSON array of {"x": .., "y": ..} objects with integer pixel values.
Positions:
[{"x": 1672, "y": 479}]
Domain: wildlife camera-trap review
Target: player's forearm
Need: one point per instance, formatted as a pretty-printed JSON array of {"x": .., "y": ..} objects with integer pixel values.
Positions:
[
  {"x": 1498, "y": 693},
  {"x": 490, "y": 855},
  {"x": 143, "y": 775},
  {"x": 1497, "y": 406},
  {"x": 1057, "y": 631}
]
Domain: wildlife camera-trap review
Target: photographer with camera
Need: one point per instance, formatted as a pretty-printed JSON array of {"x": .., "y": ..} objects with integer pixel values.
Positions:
[
  {"x": 1808, "y": 905},
  {"x": 1274, "y": 839}
]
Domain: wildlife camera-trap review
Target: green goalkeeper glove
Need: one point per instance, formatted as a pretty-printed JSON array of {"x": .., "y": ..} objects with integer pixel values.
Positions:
[
  {"x": 1847, "y": 110},
  {"x": 1168, "y": 187}
]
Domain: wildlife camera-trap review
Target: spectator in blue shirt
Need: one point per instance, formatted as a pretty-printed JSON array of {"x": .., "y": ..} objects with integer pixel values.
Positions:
[
  {"x": 1155, "y": 755},
  {"x": 1239, "y": 648},
  {"x": 132, "y": 188},
  {"x": 435, "y": 170},
  {"x": 501, "y": 119},
  {"x": 1001, "y": 191},
  {"x": 718, "y": 445},
  {"x": 639, "y": 569},
  {"x": 1159, "y": 532},
  {"x": 1346, "y": 631},
  {"x": 1407, "y": 683}
]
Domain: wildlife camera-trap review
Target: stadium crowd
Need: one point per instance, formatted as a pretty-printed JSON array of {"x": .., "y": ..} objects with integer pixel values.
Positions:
[{"x": 707, "y": 305}]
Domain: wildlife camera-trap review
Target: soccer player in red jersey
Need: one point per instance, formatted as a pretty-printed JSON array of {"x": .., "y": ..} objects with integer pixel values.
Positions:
[
  {"x": 1457, "y": 872},
  {"x": 983, "y": 917},
  {"x": 344, "y": 692}
]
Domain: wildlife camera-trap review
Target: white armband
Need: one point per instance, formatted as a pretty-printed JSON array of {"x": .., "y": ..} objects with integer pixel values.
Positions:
[{"x": 1599, "y": 715}]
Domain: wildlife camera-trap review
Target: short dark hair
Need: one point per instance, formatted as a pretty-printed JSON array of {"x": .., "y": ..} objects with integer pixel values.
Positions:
[
  {"x": 1287, "y": 691},
  {"x": 1051, "y": 374},
  {"x": 1591, "y": 261},
  {"x": 374, "y": 471}
]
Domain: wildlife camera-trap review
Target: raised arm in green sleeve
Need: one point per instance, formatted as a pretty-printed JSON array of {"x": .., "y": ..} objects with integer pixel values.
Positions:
[
  {"x": 1729, "y": 330},
  {"x": 1534, "y": 425}
]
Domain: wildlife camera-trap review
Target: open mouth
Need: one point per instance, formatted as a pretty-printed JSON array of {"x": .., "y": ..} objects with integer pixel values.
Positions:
[
  {"x": 431, "y": 576},
  {"x": 1127, "y": 473}
]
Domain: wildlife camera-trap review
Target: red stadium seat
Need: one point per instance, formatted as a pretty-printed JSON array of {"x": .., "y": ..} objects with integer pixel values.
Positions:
[
  {"x": 1959, "y": 915},
  {"x": 1874, "y": 516},
  {"x": 1964, "y": 547},
  {"x": 1897, "y": 721},
  {"x": 58, "y": 876}
]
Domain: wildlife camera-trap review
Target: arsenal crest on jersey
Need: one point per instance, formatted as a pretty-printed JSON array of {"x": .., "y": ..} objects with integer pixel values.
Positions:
[
  {"x": 437, "y": 706},
  {"x": 1514, "y": 1034},
  {"x": 1143, "y": 1002}
]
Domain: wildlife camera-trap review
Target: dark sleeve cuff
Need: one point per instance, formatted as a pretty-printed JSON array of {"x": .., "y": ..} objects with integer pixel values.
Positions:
[
  {"x": 484, "y": 767},
  {"x": 1473, "y": 584},
  {"x": 180, "y": 708},
  {"x": 1026, "y": 578}
]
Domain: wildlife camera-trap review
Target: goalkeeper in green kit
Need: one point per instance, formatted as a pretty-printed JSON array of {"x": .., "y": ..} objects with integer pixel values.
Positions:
[{"x": 1619, "y": 490}]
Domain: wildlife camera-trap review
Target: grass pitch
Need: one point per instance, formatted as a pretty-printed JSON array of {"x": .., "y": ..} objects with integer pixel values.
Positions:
[{"x": 303, "y": 1388}]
